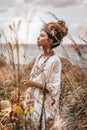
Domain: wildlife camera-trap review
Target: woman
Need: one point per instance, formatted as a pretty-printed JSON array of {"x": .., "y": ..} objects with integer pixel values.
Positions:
[{"x": 45, "y": 76}]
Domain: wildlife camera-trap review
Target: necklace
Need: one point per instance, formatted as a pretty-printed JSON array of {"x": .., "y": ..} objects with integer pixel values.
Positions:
[
  {"x": 46, "y": 59},
  {"x": 48, "y": 56},
  {"x": 40, "y": 67}
]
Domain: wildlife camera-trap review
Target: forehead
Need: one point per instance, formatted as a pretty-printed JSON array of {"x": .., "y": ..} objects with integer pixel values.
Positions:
[{"x": 44, "y": 33}]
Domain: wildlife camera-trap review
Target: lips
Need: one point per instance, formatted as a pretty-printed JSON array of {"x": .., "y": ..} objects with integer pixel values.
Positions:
[{"x": 38, "y": 42}]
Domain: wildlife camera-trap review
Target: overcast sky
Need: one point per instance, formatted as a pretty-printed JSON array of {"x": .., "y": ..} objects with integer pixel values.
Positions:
[{"x": 74, "y": 12}]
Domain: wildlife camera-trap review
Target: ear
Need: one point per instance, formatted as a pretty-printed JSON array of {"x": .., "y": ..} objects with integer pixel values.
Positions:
[{"x": 50, "y": 41}]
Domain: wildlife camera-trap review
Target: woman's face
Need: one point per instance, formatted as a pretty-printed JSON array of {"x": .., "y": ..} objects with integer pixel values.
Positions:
[{"x": 43, "y": 39}]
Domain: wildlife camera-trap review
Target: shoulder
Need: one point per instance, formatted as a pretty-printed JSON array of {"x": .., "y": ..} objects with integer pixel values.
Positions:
[
  {"x": 55, "y": 62},
  {"x": 56, "y": 59}
]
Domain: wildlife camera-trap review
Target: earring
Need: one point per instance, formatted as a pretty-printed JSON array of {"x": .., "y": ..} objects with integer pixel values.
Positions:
[{"x": 48, "y": 50}]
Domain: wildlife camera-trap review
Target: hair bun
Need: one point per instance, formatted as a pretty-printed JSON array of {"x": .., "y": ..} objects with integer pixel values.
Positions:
[
  {"x": 62, "y": 27},
  {"x": 56, "y": 31},
  {"x": 61, "y": 22}
]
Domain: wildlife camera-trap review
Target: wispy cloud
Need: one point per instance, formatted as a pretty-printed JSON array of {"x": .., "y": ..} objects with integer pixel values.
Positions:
[
  {"x": 72, "y": 11},
  {"x": 57, "y": 3}
]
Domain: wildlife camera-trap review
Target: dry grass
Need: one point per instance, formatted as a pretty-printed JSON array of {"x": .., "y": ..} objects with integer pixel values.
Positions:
[{"x": 73, "y": 100}]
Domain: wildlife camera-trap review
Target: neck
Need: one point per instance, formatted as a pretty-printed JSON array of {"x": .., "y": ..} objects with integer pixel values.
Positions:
[{"x": 48, "y": 52}]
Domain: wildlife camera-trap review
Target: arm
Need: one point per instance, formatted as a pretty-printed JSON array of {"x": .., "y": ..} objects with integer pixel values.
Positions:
[
  {"x": 30, "y": 83},
  {"x": 34, "y": 84}
]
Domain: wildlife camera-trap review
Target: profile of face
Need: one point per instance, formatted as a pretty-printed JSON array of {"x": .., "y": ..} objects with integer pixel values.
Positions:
[{"x": 43, "y": 40}]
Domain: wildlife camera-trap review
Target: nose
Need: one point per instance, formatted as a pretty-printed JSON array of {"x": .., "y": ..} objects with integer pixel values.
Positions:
[{"x": 37, "y": 38}]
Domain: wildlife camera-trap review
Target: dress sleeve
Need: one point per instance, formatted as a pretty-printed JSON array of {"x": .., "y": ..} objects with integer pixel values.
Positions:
[{"x": 53, "y": 84}]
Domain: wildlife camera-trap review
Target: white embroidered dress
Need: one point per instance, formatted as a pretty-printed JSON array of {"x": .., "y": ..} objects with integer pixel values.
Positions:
[{"x": 47, "y": 70}]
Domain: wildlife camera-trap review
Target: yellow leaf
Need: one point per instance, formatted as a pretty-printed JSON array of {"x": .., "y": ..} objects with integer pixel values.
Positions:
[
  {"x": 19, "y": 109},
  {"x": 31, "y": 109}
]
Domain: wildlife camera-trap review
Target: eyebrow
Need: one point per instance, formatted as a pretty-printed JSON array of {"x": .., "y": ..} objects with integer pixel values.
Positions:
[{"x": 42, "y": 34}]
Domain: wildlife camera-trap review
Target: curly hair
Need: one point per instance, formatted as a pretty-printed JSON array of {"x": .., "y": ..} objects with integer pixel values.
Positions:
[{"x": 56, "y": 31}]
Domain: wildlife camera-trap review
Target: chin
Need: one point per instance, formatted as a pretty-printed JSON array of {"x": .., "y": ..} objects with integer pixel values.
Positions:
[{"x": 38, "y": 44}]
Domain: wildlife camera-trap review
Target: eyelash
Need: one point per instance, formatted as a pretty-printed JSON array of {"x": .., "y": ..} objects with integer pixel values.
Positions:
[{"x": 41, "y": 35}]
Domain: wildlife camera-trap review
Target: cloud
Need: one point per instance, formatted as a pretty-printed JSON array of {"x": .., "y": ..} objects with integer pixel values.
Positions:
[
  {"x": 5, "y": 4},
  {"x": 85, "y": 2},
  {"x": 72, "y": 11},
  {"x": 28, "y": 1},
  {"x": 57, "y": 3}
]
